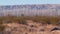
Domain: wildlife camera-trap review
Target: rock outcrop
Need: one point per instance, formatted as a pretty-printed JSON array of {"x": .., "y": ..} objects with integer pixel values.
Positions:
[{"x": 30, "y": 28}]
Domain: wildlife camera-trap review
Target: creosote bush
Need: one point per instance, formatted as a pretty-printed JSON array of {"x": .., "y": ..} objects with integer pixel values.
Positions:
[
  {"x": 54, "y": 20},
  {"x": 22, "y": 19},
  {"x": 40, "y": 19},
  {"x": 2, "y": 28},
  {"x": 46, "y": 19}
]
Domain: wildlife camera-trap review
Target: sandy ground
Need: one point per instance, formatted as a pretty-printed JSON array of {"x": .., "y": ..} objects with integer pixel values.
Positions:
[{"x": 38, "y": 28}]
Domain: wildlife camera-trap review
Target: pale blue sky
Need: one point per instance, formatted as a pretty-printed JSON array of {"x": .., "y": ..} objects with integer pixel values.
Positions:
[{"x": 22, "y": 2}]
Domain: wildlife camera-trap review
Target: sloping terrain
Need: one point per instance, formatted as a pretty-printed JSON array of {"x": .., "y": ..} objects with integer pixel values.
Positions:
[
  {"x": 30, "y": 28},
  {"x": 37, "y": 17}
]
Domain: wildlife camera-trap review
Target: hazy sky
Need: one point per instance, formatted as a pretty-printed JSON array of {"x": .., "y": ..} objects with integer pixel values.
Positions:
[{"x": 21, "y": 2}]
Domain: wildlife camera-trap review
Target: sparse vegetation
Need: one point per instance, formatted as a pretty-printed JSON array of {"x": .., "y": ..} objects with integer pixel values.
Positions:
[
  {"x": 22, "y": 20},
  {"x": 2, "y": 28},
  {"x": 46, "y": 19}
]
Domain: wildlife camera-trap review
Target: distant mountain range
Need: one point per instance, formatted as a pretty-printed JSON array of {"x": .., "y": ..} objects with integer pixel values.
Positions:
[{"x": 30, "y": 10}]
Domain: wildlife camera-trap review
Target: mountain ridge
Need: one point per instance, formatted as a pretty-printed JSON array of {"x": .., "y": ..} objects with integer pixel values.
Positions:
[{"x": 41, "y": 9}]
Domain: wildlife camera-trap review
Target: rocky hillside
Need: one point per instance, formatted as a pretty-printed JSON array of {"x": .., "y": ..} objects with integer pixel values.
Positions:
[{"x": 30, "y": 28}]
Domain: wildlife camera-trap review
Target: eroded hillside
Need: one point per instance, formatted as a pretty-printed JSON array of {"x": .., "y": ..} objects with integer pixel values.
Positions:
[
  {"x": 29, "y": 25},
  {"x": 30, "y": 28}
]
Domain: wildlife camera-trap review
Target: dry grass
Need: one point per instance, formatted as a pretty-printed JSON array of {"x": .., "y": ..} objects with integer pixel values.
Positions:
[{"x": 22, "y": 19}]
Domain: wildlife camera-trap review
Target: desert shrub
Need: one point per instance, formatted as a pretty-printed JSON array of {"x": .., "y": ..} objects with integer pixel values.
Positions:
[
  {"x": 58, "y": 23},
  {"x": 48, "y": 22},
  {"x": 44, "y": 20},
  {"x": 54, "y": 20},
  {"x": 36, "y": 19},
  {"x": 2, "y": 28},
  {"x": 1, "y": 22},
  {"x": 19, "y": 20},
  {"x": 22, "y": 21},
  {"x": 8, "y": 21},
  {"x": 28, "y": 17},
  {"x": 40, "y": 19}
]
